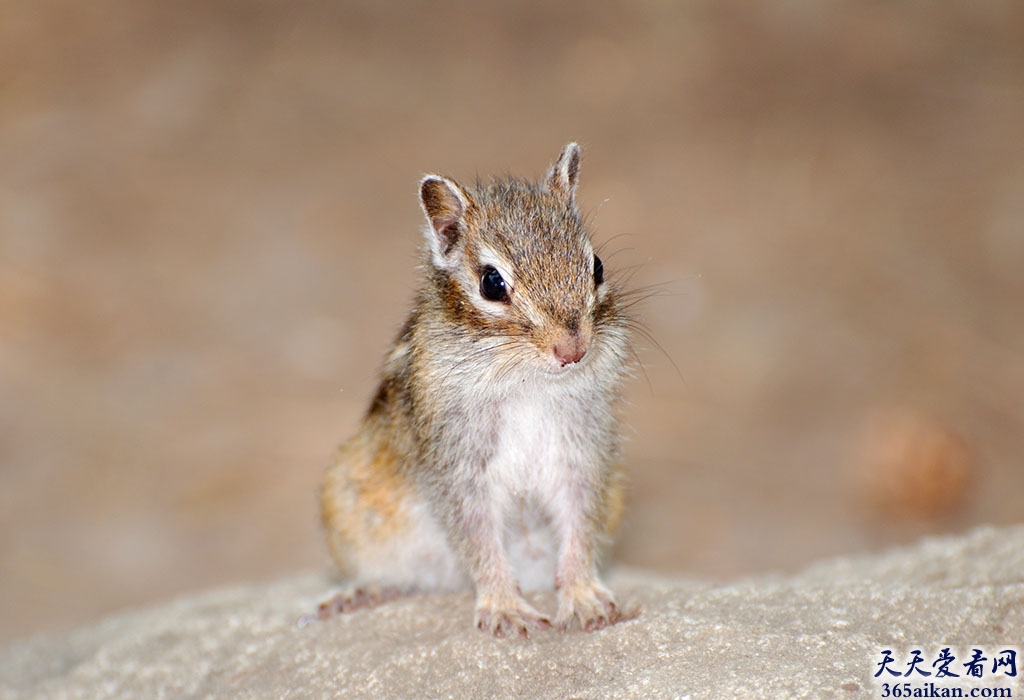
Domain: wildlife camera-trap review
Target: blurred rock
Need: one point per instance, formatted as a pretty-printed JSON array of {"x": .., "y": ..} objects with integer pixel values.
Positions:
[{"x": 911, "y": 466}]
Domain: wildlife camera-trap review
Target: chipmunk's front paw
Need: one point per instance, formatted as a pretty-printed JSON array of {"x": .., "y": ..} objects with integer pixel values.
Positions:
[
  {"x": 508, "y": 616},
  {"x": 591, "y": 606}
]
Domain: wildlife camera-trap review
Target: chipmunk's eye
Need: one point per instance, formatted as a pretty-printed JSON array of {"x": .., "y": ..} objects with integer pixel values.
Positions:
[
  {"x": 598, "y": 271},
  {"x": 492, "y": 286}
]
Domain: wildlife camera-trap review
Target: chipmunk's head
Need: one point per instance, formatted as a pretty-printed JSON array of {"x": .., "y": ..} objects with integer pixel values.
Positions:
[{"x": 513, "y": 262}]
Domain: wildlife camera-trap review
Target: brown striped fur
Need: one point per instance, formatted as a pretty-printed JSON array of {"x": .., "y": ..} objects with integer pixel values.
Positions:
[{"x": 494, "y": 416}]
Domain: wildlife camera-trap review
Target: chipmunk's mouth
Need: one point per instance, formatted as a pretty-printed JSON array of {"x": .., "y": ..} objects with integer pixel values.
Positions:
[
  {"x": 555, "y": 368},
  {"x": 559, "y": 362}
]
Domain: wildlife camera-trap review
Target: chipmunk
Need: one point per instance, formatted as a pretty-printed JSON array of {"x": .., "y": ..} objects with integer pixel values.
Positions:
[{"x": 489, "y": 450}]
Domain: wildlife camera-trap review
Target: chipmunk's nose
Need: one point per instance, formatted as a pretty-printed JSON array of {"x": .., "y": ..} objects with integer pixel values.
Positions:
[{"x": 570, "y": 348}]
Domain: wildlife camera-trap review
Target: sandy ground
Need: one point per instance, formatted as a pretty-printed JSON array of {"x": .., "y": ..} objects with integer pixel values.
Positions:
[
  {"x": 818, "y": 634},
  {"x": 208, "y": 234}
]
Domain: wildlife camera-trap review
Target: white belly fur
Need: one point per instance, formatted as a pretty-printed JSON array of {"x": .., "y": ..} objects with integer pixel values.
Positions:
[{"x": 526, "y": 474}]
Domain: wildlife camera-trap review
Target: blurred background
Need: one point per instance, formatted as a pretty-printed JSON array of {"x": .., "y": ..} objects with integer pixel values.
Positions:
[{"x": 209, "y": 233}]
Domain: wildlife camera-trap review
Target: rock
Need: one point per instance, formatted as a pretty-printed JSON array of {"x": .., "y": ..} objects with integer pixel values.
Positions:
[
  {"x": 912, "y": 466},
  {"x": 817, "y": 634}
]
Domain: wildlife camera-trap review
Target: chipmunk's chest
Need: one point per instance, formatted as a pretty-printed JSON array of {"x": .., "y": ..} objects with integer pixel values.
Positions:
[
  {"x": 539, "y": 435},
  {"x": 539, "y": 448}
]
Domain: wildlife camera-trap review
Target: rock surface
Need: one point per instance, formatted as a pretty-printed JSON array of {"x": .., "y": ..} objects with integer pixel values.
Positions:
[{"x": 817, "y": 634}]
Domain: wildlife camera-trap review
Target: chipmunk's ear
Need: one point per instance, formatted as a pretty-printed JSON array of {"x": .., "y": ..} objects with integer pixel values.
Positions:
[
  {"x": 565, "y": 173},
  {"x": 445, "y": 203}
]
